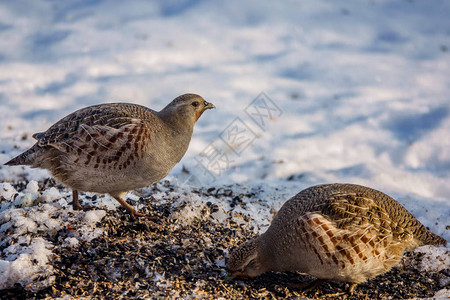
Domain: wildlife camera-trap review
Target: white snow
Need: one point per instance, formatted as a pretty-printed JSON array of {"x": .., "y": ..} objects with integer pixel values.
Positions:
[
  {"x": 356, "y": 91},
  {"x": 29, "y": 195},
  {"x": 50, "y": 195},
  {"x": 94, "y": 216},
  {"x": 72, "y": 242},
  {"x": 23, "y": 268},
  {"x": 7, "y": 191},
  {"x": 32, "y": 187},
  {"x": 434, "y": 258}
]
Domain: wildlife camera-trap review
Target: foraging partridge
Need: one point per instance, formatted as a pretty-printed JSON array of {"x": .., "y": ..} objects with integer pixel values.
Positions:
[
  {"x": 340, "y": 232},
  {"x": 117, "y": 147}
]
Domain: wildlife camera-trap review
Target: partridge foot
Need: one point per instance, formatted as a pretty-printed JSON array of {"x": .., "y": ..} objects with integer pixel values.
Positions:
[{"x": 76, "y": 202}]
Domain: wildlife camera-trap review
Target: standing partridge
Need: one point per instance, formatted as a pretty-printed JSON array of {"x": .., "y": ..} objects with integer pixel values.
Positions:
[
  {"x": 339, "y": 232},
  {"x": 117, "y": 147}
]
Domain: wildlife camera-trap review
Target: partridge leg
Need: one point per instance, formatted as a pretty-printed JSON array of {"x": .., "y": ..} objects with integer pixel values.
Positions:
[
  {"x": 129, "y": 208},
  {"x": 75, "y": 202},
  {"x": 352, "y": 287}
]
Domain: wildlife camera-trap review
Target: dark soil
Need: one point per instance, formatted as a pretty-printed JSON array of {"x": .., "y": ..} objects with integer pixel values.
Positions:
[{"x": 124, "y": 262}]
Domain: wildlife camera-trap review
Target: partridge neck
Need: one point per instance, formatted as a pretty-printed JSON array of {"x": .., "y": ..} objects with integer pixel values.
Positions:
[{"x": 177, "y": 120}]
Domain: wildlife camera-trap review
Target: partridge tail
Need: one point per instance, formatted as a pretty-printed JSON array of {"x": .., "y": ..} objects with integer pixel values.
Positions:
[
  {"x": 26, "y": 158},
  {"x": 429, "y": 238}
]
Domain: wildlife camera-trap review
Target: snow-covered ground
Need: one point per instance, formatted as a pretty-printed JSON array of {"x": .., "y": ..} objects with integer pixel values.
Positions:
[{"x": 307, "y": 92}]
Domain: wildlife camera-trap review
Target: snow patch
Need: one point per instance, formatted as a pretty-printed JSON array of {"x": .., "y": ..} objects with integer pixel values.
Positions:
[
  {"x": 434, "y": 258},
  {"x": 93, "y": 217},
  {"x": 26, "y": 266},
  {"x": 50, "y": 195},
  {"x": 7, "y": 191}
]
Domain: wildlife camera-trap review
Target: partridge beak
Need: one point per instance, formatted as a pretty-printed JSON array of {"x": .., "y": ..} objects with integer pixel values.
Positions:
[{"x": 208, "y": 105}]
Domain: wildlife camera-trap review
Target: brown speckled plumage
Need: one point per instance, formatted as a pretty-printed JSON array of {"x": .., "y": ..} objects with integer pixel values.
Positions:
[
  {"x": 340, "y": 232},
  {"x": 116, "y": 147}
]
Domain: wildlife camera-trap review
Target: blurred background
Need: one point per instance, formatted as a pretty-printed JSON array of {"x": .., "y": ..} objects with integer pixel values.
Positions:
[{"x": 359, "y": 90}]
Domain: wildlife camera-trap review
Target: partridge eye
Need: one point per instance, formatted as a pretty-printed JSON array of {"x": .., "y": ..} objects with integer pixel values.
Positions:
[{"x": 195, "y": 104}]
